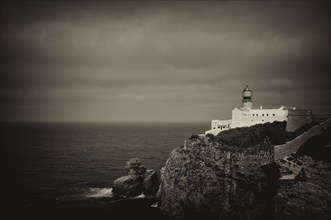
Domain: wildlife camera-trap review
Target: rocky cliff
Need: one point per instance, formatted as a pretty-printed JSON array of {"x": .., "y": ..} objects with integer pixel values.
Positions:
[
  {"x": 230, "y": 176},
  {"x": 220, "y": 178},
  {"x": 308, "y": 196}
]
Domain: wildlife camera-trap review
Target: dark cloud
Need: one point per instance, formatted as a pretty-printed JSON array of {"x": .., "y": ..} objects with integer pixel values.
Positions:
[{"x": 136, "y": 61}]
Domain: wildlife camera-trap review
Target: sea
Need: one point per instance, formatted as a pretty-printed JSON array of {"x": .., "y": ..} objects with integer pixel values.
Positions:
[{"x": 66, "y": 170}]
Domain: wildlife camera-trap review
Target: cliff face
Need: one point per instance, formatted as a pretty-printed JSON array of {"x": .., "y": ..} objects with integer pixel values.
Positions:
[
  {"x": 207, "y": 178},
  {"x": 308, "y": 196},
  {"x": 233, "y": 176}
]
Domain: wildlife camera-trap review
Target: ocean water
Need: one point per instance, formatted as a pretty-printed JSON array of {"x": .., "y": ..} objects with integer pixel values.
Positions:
[{"x": 66, "y": 170}]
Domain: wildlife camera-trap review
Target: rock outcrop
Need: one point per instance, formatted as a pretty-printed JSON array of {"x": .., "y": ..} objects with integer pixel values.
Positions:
[
  {"x": 151, "y": 183},
  {"x": 130, "y": 185},
  {"x": 210, "y": 179},
  {"x": 137, "y": 181},
  {"x": 308, "y": 196},
  {"x": 234, "y": 176},
  {"x": 134, "y": 167}
]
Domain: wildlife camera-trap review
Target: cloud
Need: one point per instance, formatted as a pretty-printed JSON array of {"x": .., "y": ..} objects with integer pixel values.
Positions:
[{"x": 138, "y": 53}]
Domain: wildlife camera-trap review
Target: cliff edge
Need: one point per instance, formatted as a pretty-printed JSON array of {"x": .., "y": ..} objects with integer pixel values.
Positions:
[{"x": 230, "y": 176}]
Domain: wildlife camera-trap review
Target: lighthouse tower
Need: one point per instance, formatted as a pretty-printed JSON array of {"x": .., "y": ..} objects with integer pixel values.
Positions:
[{"x": 247, "y": 95}]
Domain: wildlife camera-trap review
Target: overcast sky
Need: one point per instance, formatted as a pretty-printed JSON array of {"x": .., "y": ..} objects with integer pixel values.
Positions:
[{"x": 161, "y": 61}]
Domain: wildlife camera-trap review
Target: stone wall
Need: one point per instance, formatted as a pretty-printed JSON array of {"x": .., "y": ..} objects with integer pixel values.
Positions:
[
  {"x": 292, "y": 146},
  {"x": 318, "y": 118},
  {"x": 298, "y": 118}
]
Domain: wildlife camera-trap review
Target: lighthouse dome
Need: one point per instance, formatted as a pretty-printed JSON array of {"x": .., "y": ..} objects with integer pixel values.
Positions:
[
  {"x": 247, "y": 92},
  {"x": 247, "y": 89}
]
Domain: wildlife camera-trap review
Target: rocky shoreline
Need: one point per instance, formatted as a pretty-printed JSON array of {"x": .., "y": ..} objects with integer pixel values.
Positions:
[
  {"x": 139, "y": 181},
  {"x": 234, "y": 176}
]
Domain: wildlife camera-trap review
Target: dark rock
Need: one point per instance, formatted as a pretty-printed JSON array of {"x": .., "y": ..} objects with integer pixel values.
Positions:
[
  {"x": 206, "y": 179},
  {"x": 134, "y": 167},
  {"x": 302, "y": 175},
  {"x": 137, "y": 181},
  {"x": 130, "y": 185},
  {"x": 141, "y": 170},
  {"x": 233, "y": 176},
  {"x": 308, "y": 196},
  {"x": 151, "y": 183}
]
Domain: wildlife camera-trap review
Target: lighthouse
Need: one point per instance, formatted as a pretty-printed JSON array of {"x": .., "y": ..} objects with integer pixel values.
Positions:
[
  {"x": 247, "y": 116},
  {"x": 247, "y": 95}
]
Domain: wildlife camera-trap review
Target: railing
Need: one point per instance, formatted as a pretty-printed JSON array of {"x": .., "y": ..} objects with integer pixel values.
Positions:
[{"x": 293, "y": 167}]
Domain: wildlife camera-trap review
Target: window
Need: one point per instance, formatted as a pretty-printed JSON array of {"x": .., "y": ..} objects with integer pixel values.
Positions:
[
  {"x": 267, "y": 114},
  {"x": 257, "y": 114},
  {"x": 253, "y": 114},
  {"x": 274, "y": 114},
  {"x": 262, "y": 120},
  {"x": 262, "y": 114},
  {"x": 252, "y": 120}
]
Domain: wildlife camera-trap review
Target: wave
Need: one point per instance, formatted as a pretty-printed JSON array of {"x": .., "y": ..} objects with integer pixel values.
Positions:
[
  {"x": 100, "y": 193},
  {"x": 141, "y": 196}
]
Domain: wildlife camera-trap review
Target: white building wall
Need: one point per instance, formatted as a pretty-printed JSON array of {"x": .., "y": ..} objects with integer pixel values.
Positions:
[
  {"x": 220, "y": 123},
  {"x": 236, "y": 118},
  {"x": 245, "y": 118},
  {"x": 218, "y": 126},
  {"x": 248, "y": 117}
]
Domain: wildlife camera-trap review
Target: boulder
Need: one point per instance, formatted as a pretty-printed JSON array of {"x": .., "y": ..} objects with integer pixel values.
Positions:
[
  {"x": 134, "y": 167},
  {"x": 130, "y": 185},
  {"x": 151, "y": 183},
  {"x": 137, "y": 181}
]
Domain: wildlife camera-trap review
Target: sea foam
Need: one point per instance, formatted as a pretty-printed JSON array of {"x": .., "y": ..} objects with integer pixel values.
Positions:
[{"x": 100, "y": 192}]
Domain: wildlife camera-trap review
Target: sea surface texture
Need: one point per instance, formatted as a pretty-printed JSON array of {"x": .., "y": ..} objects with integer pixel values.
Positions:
[{"x": 49, "y": 168}]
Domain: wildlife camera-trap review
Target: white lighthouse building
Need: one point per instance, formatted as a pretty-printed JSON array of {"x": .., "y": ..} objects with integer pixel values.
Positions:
[{"x": 247, "y": 115}]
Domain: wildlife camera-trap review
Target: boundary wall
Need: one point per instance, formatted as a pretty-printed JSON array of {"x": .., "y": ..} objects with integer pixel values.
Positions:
[{"x": 283, "y": 150}]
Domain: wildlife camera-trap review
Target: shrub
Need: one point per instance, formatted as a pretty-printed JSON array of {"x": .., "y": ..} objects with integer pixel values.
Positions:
[
  {"x": 195, "y": 136},
  {"x": 210, "y": 136}
]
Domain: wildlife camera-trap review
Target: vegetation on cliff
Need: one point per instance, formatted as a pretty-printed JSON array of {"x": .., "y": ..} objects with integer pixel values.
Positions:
[{"x": 251, "y": 136}]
